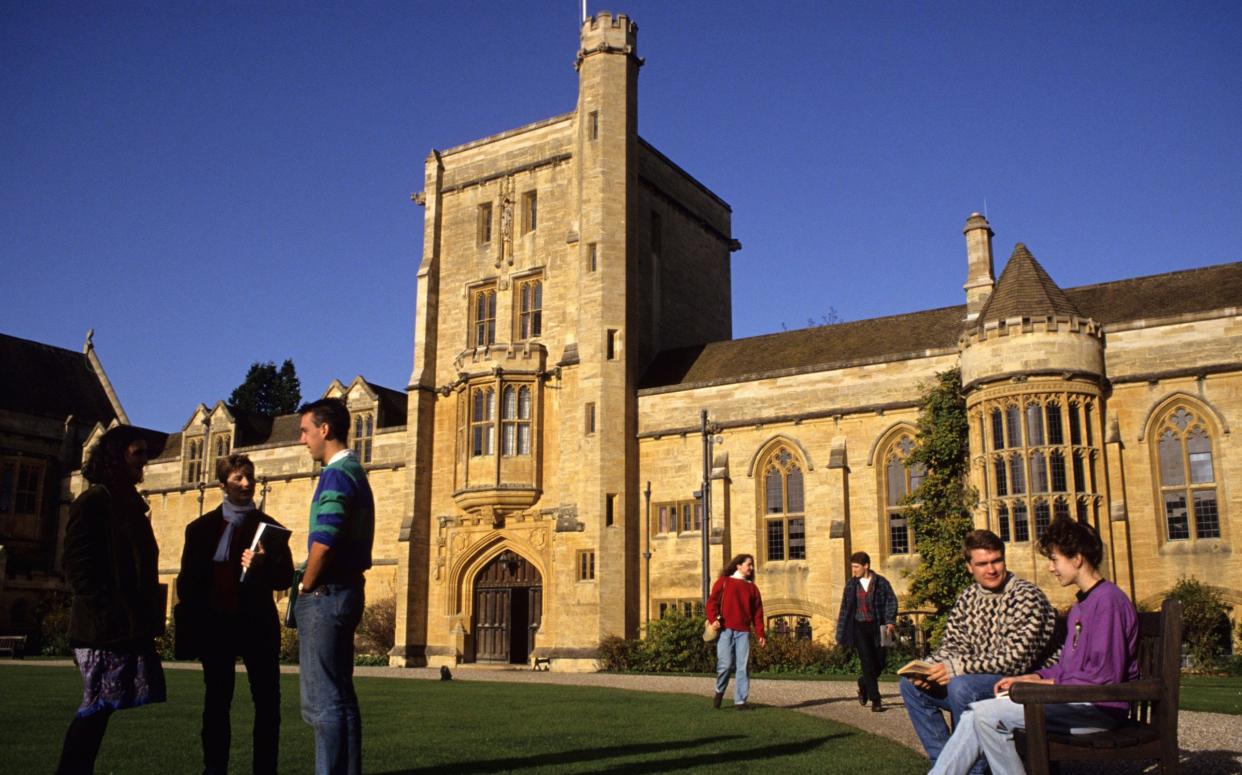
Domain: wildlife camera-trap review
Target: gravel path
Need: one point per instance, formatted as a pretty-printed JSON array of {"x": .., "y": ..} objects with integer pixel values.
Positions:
[{"x": 1211, "y": 743}]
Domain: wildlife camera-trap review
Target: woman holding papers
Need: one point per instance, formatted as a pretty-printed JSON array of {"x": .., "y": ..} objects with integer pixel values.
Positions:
[{"x": 226, "y": 611}]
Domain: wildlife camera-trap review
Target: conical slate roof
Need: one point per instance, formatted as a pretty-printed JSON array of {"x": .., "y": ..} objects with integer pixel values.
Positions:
[{"x": 1026, "y": 290}]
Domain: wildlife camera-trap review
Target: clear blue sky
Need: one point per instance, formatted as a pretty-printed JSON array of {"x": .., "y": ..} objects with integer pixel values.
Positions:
[{"x": 208, "y": 184}]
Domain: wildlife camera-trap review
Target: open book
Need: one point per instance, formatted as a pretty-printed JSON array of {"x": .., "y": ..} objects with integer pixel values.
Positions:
[
  {"x": 916, "y": 668},
  {"x": 273, "y": 538}
]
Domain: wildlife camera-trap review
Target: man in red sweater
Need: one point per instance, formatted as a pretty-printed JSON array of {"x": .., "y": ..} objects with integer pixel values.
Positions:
[{"x": 733, "y": 607}]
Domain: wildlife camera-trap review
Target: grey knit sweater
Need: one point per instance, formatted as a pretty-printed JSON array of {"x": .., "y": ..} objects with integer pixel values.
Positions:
[{"x": 1005, "y": 632}]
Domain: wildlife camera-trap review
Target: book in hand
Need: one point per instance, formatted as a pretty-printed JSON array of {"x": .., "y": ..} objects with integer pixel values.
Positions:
[
  {"x": 273, "y": 538},
  {"x": 916, "y": 668}
]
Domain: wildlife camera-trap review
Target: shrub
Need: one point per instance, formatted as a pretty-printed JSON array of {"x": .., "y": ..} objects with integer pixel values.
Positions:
[
  {"x": 53, "y": 617},
  {"x": 164, "y": 644},
  {"x": 289, "y": 645},
  {"x": 377, "y": 630},
  {"x": 675, "y": 644},
  {"x": 1203, "y": 612},
  {"x": 617, "y": 653}
]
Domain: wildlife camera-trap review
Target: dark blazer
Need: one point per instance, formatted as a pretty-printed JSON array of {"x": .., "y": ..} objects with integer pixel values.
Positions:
[
  {"x": 883, "y": 603},
  {"x": 112, "y": 565},
  {"x": 256, "y": 606}
]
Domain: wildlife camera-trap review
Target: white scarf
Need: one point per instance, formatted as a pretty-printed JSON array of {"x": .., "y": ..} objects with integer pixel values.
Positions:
[
  {"x": 233, "y": 516},
  {"x": 737, "y": 574}
]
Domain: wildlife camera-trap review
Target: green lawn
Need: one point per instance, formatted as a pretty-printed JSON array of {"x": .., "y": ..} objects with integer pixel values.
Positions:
[
  {"x": 1216, "y": 694},
  {"x": 415, "y": 726}
]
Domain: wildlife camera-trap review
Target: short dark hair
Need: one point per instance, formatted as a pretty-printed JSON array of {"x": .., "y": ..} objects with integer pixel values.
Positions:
[
  {"x": 1072, "y": 539},
  {"x": 106, "y": 461},
  {"x": 234, "y": 462},
  {"x": 982, "y": 539},
  {"x": 331, "y": 412},
  {"x": 862, "y": 558}
]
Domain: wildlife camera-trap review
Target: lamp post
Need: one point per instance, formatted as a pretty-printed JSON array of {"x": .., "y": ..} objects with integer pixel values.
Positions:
[
  {"x": 647, "y": 561},
  {"x": 705, "y": 527}
]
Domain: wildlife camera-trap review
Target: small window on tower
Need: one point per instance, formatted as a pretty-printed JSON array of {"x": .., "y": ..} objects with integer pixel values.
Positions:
[
  {"x": 485, "y": 223},
  {"x": 593, "y": 125},
  {"x": 530, "y": 211}
]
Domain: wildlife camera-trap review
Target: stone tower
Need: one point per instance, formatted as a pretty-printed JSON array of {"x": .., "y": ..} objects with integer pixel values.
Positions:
[
  {"x": 1033, "y": 374},
  {"x": 558, "y": 258}
]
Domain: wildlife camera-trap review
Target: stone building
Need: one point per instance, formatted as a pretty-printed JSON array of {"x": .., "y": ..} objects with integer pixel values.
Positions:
[
  {"x": 50, "y": 401},
  {"x": 539, "y": 482}
]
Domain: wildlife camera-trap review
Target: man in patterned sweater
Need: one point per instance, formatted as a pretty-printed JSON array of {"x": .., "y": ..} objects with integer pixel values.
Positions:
[
  {"x": 330, "y": 599},
  {"x": 1000, "y": 625}
]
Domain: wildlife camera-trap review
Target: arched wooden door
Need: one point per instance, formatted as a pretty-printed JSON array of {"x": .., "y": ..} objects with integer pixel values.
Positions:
[{"x": 508, "y": 608}]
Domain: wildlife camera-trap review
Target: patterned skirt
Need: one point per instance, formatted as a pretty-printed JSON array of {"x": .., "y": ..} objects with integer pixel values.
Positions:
[{"x": 115, "y": 680}]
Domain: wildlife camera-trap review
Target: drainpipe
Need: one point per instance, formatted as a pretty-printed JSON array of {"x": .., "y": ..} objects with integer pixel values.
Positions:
[{"x": 647, "y": 558}]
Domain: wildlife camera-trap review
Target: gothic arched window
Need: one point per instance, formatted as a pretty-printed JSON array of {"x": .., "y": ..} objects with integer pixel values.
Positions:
[
  {"x": 1182, "y": 441},
  {"x": 783, "y": 505},
  {"x": 900, "y": 480}
]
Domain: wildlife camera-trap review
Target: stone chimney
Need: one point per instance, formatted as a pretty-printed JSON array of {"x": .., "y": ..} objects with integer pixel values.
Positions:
[{"x": 980, "y": 277}]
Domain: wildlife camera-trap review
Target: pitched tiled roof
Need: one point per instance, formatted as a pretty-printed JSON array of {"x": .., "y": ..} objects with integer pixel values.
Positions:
[
  {"x": 1161, "y": 295},
  {"x": 891, "y": 338},
  {"x": 39, "y": 379},
  {"x": 1025, "y": 290},
  {"x": 807, "y": 349}
]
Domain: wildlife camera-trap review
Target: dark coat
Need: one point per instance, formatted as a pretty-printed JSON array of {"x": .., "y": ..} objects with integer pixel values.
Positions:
[
  {"x": 883, "y": 603},
  {"x": 256, "y": 614},
  {"x": 112, "y": 565}
]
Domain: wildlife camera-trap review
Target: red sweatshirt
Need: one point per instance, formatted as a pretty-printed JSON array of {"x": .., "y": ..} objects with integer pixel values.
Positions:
[{"x": 743, "y": 606}]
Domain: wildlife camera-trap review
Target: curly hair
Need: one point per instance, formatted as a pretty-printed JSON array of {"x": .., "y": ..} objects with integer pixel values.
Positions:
[
  {"x": 106, "y": 462},
  {"x": 1072, "y": 539}
]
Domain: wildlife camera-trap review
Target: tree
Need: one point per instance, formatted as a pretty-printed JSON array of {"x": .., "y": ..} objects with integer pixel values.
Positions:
[
  {"x": 267, "y": 391},
  {"x": 940, "y": 510}
]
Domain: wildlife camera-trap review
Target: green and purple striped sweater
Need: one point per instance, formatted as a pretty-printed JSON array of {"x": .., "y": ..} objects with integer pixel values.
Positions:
[{"x": 342, "y": 517}]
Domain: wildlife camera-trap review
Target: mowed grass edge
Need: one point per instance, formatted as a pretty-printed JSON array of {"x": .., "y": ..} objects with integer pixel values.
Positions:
[{"x": 419, "y": 726}]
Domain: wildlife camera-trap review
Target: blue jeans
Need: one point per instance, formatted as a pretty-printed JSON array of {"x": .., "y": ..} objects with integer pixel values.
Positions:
[
  {"x": 327, "y": 618},
  {"x": 733, "y": 651},
  {"x": 987, "y": 728},
  {"x": 925, "y": 709}
]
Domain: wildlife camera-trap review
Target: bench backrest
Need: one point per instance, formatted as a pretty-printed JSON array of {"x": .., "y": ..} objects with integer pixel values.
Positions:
[{"x": 1160, "y": 657}]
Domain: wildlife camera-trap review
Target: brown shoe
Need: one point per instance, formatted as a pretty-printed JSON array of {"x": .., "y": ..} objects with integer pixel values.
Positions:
[
  {"x": 743, "y": 706},
  {"x": 716, "y": 699},
  {"x": 876, "y": 707}
]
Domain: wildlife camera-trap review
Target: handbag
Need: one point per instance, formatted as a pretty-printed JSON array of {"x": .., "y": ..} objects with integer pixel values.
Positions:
[
  {"x": 291, "y": 618},
  {"x": 710, "y": 633}
]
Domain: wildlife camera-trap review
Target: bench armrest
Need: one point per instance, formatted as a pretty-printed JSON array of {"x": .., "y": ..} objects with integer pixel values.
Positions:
[{"x": 1026, "y": 693}]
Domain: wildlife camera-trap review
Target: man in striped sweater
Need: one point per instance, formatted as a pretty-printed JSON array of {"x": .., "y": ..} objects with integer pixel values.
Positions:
[
  {"x": 331, "y": 599},
  {"x": 1000, "y": 625}
]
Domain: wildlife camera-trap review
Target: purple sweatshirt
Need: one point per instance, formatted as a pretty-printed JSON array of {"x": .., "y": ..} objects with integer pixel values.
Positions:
[{"x": 1101, "y": 645}]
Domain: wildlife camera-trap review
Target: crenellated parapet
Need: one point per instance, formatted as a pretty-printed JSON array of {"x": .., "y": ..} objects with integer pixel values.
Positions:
[
  {"x": 606, "y": 33},
  {"x": 1032, "y": 346}
]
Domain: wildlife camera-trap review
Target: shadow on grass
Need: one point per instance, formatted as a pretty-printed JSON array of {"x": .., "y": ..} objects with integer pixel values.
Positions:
[{"x": 679, "y": 762}]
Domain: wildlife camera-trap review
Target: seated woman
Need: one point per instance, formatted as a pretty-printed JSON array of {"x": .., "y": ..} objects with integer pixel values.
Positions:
[{"x": 1101, "y": 647}]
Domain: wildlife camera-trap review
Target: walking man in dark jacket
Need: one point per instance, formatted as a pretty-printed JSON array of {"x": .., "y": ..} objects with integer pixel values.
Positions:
[{"x": 868, "y": 614}]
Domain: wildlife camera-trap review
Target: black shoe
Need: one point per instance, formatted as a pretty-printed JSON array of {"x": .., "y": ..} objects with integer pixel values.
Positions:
[
  {"x": 876, "y": 707},
  {"x": 743, "y": 706},
  {"x": 862, "y": 696},
  {"x": 716, "y": 699}
]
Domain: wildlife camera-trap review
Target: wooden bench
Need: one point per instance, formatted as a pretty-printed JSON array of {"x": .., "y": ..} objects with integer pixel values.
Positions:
[
  {"x": 13, "y": 645},
  {"x": 1150, "y": 731}
]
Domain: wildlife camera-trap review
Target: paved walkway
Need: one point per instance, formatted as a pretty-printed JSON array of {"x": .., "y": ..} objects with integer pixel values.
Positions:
[{"x": 1211, "y": 743}]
